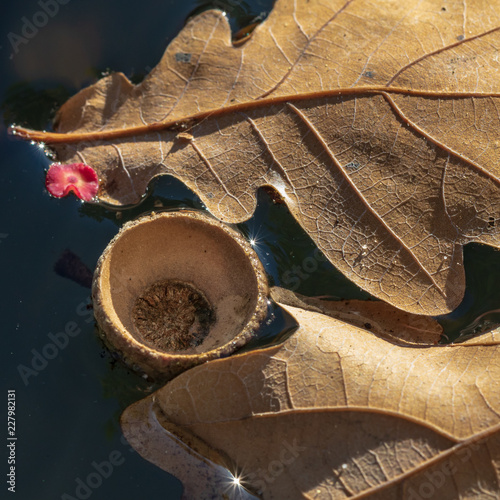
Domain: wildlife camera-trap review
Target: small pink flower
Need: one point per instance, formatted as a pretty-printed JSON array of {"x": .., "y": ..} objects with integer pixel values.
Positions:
[{"x": 76, "y": 177}]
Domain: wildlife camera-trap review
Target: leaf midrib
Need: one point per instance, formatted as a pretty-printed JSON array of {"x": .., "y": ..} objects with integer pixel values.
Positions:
[{"x": 189, "y": 121}]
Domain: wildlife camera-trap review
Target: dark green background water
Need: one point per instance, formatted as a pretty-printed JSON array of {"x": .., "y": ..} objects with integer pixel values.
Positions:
[{"x": 67, "y": 414}]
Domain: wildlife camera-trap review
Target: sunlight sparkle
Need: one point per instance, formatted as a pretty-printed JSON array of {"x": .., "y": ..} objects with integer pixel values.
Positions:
[{"x": 235, "y": 488}]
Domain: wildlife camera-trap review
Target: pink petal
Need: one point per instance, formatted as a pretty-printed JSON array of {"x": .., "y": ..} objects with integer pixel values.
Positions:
[{"x": 76, "y": 177}]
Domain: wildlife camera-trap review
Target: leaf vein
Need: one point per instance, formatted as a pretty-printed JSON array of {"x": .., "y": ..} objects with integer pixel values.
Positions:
[
  {"x": 215, "y": 174},
  {"x": 306, "y": 46},
  {"x": 438, "y": 51},
  {"x": 360, "y": 196}
]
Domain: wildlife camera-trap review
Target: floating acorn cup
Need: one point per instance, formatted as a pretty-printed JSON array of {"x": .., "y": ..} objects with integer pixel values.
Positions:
[{"x": 175, "y": 289}]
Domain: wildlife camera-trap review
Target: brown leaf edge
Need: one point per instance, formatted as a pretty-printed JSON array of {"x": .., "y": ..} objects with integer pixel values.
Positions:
[{"x": 381, "y": 318}]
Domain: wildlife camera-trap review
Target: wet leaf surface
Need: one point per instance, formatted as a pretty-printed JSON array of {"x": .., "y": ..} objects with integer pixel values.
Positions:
[
  {"x": 334, "y": 412},
  {"x": 376, "y": 123}
]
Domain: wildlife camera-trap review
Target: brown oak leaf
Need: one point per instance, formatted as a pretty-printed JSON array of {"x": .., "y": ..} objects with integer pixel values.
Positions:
[
  {"x": 335, "y": 412},
  {"x": 377, "y": 122}
]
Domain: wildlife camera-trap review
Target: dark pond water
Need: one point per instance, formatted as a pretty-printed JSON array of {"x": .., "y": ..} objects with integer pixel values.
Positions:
[{"x": 68, "y": 399}]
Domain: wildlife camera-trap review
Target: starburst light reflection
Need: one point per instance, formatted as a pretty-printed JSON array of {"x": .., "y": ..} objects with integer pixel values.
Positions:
[{"x": 235, "y": 488}]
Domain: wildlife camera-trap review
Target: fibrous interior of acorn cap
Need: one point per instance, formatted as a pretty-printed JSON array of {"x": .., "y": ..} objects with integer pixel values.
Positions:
[{"x": 173, "y": 315}]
